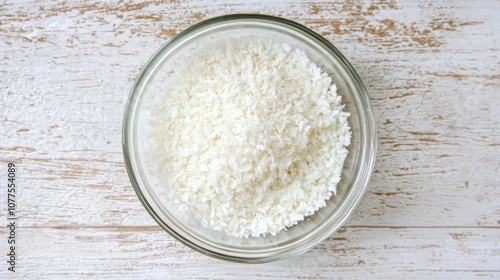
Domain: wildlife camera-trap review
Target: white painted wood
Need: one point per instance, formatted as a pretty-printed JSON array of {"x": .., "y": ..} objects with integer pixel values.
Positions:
[
  {"x": 355, "y": 252},
  {"x": 432, "y": 71}
]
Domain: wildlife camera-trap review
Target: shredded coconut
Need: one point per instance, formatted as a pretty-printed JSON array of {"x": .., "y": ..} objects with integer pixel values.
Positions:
[{"x": 251, "y": 136}]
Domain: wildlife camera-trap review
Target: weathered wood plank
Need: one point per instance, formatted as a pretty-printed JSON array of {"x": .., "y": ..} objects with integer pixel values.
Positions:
[
  {"x": 432, "y": 71},
  {"x": 149, "y": 253},
  {"x": 438, "y": 130}
]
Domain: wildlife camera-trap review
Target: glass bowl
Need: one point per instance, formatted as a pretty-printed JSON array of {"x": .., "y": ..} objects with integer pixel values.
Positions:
[{"x": 305, "y": 235}]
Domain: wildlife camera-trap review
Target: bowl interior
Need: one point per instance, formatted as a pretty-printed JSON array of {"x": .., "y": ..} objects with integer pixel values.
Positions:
[{"x": 147, "y": 178}]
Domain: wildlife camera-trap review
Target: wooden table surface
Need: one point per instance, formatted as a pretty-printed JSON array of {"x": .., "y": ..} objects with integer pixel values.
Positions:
[{"x": 432, "y": 209}]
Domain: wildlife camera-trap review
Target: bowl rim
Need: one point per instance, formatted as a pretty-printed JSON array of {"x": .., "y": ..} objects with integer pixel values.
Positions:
[{"x": 367, "y": 144}]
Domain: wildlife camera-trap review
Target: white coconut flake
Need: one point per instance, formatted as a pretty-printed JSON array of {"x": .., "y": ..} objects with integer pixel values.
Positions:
[{"x": 251, "y": 136}]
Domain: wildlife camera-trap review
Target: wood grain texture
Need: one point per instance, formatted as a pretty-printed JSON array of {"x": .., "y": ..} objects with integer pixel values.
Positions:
[
  {"x": 355, "y": 252},
  {"x": 432, "y": 71}
]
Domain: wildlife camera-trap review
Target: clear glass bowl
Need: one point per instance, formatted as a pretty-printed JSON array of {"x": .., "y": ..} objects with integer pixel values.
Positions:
[{"x": 297, "y": 239}]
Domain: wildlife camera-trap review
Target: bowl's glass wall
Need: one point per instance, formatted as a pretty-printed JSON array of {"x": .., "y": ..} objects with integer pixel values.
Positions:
[{"x": 153, "y": 82}]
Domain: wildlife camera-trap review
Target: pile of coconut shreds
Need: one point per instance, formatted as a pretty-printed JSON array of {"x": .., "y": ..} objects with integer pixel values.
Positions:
[{"x": 251, "y": 136}]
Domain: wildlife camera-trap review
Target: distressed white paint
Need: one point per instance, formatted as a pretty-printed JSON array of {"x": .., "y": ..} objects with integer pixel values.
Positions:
[{"x": 432, "y": 71}]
